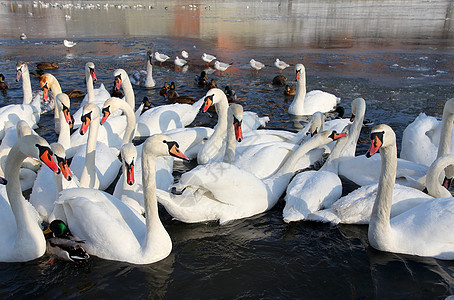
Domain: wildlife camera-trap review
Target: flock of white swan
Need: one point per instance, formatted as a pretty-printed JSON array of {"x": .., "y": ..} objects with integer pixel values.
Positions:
[{"x": 242, "y": 171}]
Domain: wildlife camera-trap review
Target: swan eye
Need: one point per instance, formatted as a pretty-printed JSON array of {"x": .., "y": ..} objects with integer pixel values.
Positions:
[
  {"x": 44, "y": 86},
  {"x": 377, "y": 137}
]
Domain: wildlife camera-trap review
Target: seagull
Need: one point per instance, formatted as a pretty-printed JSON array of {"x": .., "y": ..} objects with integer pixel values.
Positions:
[
  {"x": 256, "y": 65},
  {"x": 69, "y": 44},
  {"x": 160, "y": 57},
  {"x": 179, "y": 62},
  {"x": 184, "y": 54},
  {"x": 220, "y": 66},
  {"x": 208, "y": 58},
  {"x": 281, "y": 65}
]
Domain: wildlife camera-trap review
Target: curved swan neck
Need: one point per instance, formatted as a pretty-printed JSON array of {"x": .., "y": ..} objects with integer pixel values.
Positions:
[
  {"x": 359, "y": 110},
  {"x": 444, "y": 146},
  {"x": 433, "y": 184},
  {"x": 129, "y": 92},
  {"x": 28, "y": 231},
  {"x": 26, "y": 85},
  {"x": 149, "y": 196},
  {"x": 64, "y": 137},
  {"x": 379, "y": 225},
  {"x": 88, "y": 178}
]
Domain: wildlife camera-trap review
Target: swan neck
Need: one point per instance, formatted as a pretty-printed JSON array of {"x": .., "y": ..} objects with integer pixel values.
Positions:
[
  {"x": 149, "y": 80},
  {"x": 349, "y": 149},
  {"x": 229, "y": 156},
  {"x": 444, "y": 146},
  {"x": 28, "y": 231},
  {"x": 433, "y": 184},
  {"x": 129, "y": 92},
  {"x": 130, "y": 122},
  {"x": 64, "y": 137},
  {"x": 149, "y": 195},
  {"x": 301, "y": 87},
  {"x": 27, "y": 87},
  {"x": 379, "y": 225},
  {"x": 89, "y": 177},
  {"x": 90, "y": 87}
]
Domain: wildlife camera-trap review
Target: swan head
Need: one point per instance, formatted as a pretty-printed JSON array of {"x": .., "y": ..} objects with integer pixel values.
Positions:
[
  {"x": 110, "y": 106},
  {"x": 62, "y": 162},
  {"x": 45, "y": 81},
  {"x": 236, "y": 113},
  {"x": 357, "y": 105},
  {"x": 64, "y": 103},
  {"x": 299, "y": 69},
  {"x": 449, "y": 105},
  {"x": 37, "y": 147},
  {"x": 317, "y": 122},
  {"x": 381, "y": 136},
  {"x": 129, "y": 155},
  {"x": 162, "y": 145},
  {"x": 150, "y": 56},
  {"x": 119, "y": 76},
  {"x": 21, "y": 67},
  {"x": 90, "y": 71},
  {"x": 212, "y": 97},
  {"x": 90, "y": 113}
]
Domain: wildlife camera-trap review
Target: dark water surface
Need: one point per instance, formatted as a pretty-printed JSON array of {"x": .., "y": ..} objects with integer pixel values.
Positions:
[{"x": 397, "y": 55}]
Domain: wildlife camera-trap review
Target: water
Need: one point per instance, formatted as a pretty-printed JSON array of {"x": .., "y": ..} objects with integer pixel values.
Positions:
[{"x": 397, "y": 55}]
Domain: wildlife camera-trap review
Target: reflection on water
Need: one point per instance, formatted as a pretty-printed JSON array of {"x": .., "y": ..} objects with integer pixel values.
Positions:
[{"x": 240, "y": 24}]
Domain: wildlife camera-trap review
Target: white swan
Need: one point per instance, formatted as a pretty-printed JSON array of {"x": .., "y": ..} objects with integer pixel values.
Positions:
[
  {"x": 29, "y": 95},
  {"x": 48, "y": 82},
  {"x": 425, "y": 230},
  {"x": 97, "y": 165},
  {"x": 97, "y": 96},
  {"x": 21, "y": 237},
  {"x": 111, "y": 229},
  {"x": 48, "y": 184},
  {"x": 308, "y": 103},
  {"x": 214, "y": 148},
  {"x": 144, "y": 78},
  {"x": 221, "y": 191}
]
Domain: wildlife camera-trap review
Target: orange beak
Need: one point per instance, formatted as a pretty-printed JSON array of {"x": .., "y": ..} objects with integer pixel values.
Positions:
[
  {"x": 18, "y": 75},
  {"x": 374, "y": 146},
  {"x": 339, "y": 135},
  {"x": 175, "y": 151},
  {"x": 298, "y": 74},
  {"x": 85, "y": 123},
  {"x": 63, "y": 164},
  {"x": 105, "y": 114},
  {"x": 45, "y": 155},
  {"x": 117, "y": 82},
  {"x": 67, "y": 115},
  {"x": 238, "y": 130},
  {"x": 93, "y": 75},
  {"x": 45, "y": 93},
  {"x": 207, "y": 103},
  {"x": 130, "y": 173}
]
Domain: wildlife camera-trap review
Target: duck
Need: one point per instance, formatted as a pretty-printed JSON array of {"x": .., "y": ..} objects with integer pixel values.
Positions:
[
  {"x": 61, "y": 243},
  {"x": 290, "y": 90},
  {"x": 22, "y": 238},
  {"x": 424, "y": 230},
  {"x": 161, "y": 57},
  {"x": 202, "y": 79},
  {"x": 279, "y": 80},
  {"x": 179, "y": 62},
  {"x": 308, "y": 103},
  {"x": 75, "y": 93},
  {"x": 281, "y": 65},
  {"x": 230, "y": 93},
  {"x": 205, "y": 193},
  {"x": 165, "y": 88},
  {"x": 146, "y": 105},
  {"x": 144, "y": 78},
  {"x": 23, "y": 36},
  {"x": 208, "y": 58},
  {"x": 111, "y": 229},
  {"x": 48, "y": 184},
  {"x": 174, "y": 97},
  {"x": 3, "y": 84},
  {"x": 256, "y": 65},
  {"x": 45, "y": 65},
  {"x": 220, "y": 66}
]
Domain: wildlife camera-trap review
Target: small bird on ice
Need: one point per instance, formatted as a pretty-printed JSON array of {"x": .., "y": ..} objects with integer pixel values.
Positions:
[
  {"x": 256, "y": 65},
  {"x": 281, "y": 65},
  {"x": 161, "y": 57},
  {"x": 179, "y": 62},
  {"x": 208, "y": 58},
  {"x": 220, "y": 66}
]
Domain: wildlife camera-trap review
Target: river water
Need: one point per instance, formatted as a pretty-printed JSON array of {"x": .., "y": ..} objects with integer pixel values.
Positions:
[{"x": 397, "y": 55}]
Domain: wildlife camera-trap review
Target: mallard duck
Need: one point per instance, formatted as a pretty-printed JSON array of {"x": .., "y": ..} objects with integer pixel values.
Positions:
[
  {"x": 211, "y": 85},
  {"x": 290, "y": 90},
  {"x": 201, "y": 80},
  {"x": 75, "y": 93},
  {"x": 165, "y": 89},
  {"x": 231, "y": 94},
  {"x": 280, "y": 80},
  {"x": 174, "y": 97},
  {"x": 146, "y": 104},
  {"x": 3, "y": 84},
  {"x": 62, "y": 243},
  {"x": 44, "y": 65}
]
